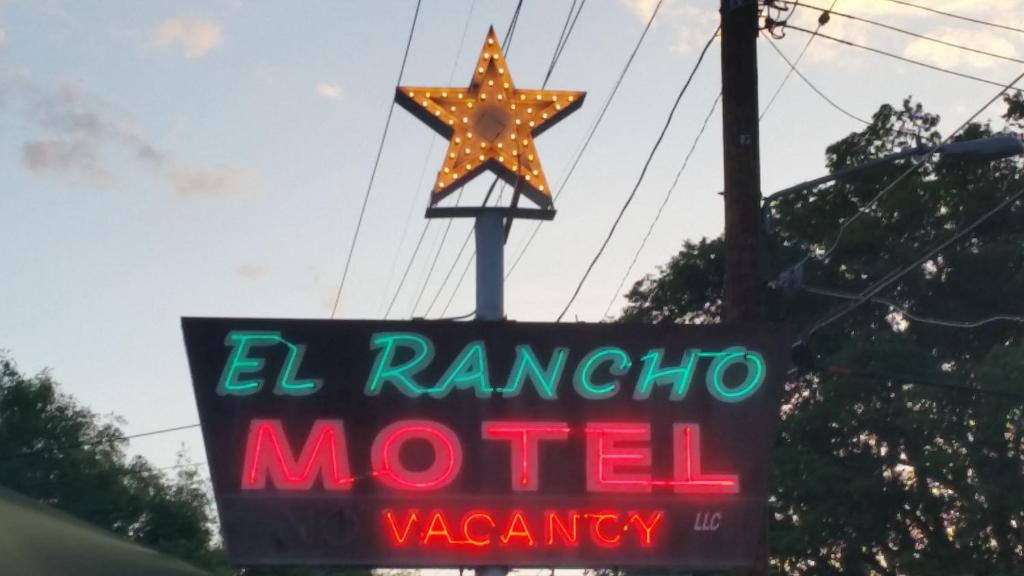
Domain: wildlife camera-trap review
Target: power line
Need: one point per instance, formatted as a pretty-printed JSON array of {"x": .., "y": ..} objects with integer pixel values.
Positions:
[
  {"x": 792, "y": 65},
  {"x": 423, "y": 169},
  {"x": 844, "y": 225},
  {"x": 465, "y": 243},
  {"x": 794, "y": 69},
  {"x": 590, "y": 134},
  {"x": 563, "y": 39},
  {"x": 957, "y": 16},
  {"x": 512, "y": 27},
  {"x": 179, "y": 466},
  {"x": 912, "y": 34},
  {"x": 913, "y": 315},
  {"x": 898, "y": 57},
  {"x": 437, "y": 256},
  {"x": 567, "y": 29},
  {"x": 664, "y": 202},
  {"x": 898, "y": 273},
  {"x": 643, "y": 172},
  {"x": 913, "y": 381},
  {"x": 98, "y": 442},
  {"x": 462, "y": 278},
  {"x": 508, "y": 45},
  {"x": 448, "y": 275},
  {"x": 408, "y": 267},
  {"x": 376, "y": 163}
]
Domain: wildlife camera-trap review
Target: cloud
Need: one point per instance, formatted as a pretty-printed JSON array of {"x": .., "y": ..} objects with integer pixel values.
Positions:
[
  {"x": 193, "y": 181},
  {"x": 1007, "y": 12},
  {"x": 193, "y": 37},
  {"x": 251, "y": 271},
  {"x": 75, "y": 133},
  {"x": 689, "y": 20},
  {"x": 641, "y": 8},
  {"x": 329, "y": 90},
  {"x": 948, "y": 56},
  {"x": 76, "y": 159}
]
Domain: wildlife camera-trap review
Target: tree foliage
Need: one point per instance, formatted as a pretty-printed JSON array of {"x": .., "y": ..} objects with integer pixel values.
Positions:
[
  {"x": 873, "y": 474},
  {"x": 55, "y": 450}
]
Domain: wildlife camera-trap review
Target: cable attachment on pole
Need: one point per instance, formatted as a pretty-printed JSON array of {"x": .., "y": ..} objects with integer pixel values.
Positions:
[{"x": 775, "y": 15}]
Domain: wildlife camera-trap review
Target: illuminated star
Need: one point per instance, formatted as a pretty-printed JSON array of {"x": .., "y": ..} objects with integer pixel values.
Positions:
[{"x": 490, "y": 125}]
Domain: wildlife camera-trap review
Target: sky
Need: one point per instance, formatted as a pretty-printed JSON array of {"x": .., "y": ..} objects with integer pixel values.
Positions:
[{"x": 160, "y": 160}]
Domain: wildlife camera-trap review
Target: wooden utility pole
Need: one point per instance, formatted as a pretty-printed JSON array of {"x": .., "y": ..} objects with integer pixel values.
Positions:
[{"x": 744, "y": 297}]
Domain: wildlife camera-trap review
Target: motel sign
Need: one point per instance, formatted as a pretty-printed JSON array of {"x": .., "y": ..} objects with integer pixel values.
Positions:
[{"x": 439, "y": 443}]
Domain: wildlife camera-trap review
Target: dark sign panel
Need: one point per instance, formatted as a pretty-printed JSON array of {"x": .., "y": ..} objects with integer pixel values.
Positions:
[{"x": 487, "y": 443}]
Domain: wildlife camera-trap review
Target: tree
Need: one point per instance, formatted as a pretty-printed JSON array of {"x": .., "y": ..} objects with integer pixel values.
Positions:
[
  {"x": 873, "y": 474},
  {"x": 56, "y": 451}
]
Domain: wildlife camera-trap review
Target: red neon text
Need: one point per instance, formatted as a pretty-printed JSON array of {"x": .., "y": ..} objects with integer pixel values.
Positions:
[
  {"x": 388, "y": 466},
  {"x": 268, "y": 454},
  {"x": 689, "y": 479},
  {"x": 524, "y": 439},
  {"x": 439, "y": 529},
  {"x": 618, "y": 459},
  {"x": 606, "y": 457}
]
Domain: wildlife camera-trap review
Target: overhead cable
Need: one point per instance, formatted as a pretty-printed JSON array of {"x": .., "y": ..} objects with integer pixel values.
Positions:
[
  {"x": 508, "y": 45},
  {"x": 792, "y": 65},
  {"x": 590, "y": 133},
  {"x": 906, "y": 32},
  {"x": 914, "y": 167},
  {"x": 408, "y": 267},
  {"x": 661, "y": 208},
  {"x": 97, "y": 442},
  {"x": 563, "y": 39},
  {"x": 462, "y": 248},
  {"x": 869, "y": 292},
  {"x": 903, "y": 311},
  {"x": 898, "y": 57},
  {"x": 913, "y": 381},
  {"x": 957, "y": 16},
  {"x": 795, "y": 70},
  {"x": 423, "y": 169},
  {"x": 567, "y": 29},
  {"x": 643, "y": 173},
  {"x": 376, "y": 164}
]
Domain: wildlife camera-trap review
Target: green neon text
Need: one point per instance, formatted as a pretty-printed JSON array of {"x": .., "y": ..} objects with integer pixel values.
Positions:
[
  {"x": 652, "y": 374},
  {"x": 384, "y": 370},
  {"x": 582, "y": 380},
  {"x": 526, "y": 365},
  {"x": 240, "y": 363},
  {"x": 468, "y": 371},
  {"x": 406, "y": 361},
  {"x": 753, "y": 365}
]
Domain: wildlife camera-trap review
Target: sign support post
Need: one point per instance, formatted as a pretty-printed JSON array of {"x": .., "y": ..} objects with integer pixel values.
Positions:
[
  {"x": 490, "y": 265},
  {"x": 490, "y": 292}
]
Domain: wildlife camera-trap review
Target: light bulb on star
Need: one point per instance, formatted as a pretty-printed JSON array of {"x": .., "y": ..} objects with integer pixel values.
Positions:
[{"x": 487, "y": 112}]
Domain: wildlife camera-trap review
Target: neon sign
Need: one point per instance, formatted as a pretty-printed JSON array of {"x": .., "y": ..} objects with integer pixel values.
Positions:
[
  {"x": 469, "y": 369},
  {"x": 551, "y": 529},
  {"x": 463, "y": 444}
]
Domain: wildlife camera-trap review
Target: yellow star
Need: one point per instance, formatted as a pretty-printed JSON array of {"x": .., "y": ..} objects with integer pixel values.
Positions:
[{"x": 490, "y": 125}]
